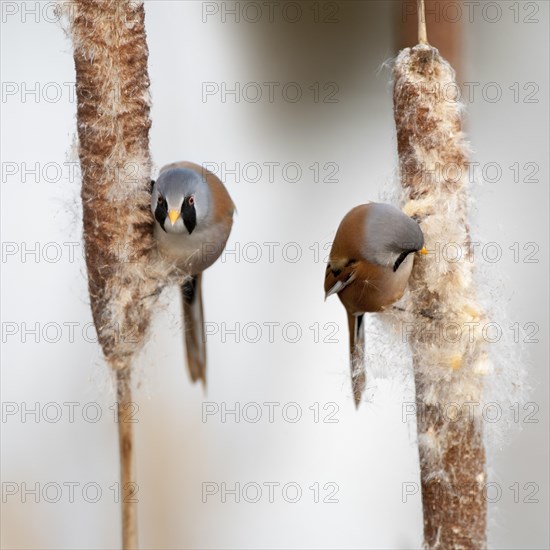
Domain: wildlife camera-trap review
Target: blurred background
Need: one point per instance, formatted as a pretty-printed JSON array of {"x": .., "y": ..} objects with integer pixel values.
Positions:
[{"x": 290, "y": 104}]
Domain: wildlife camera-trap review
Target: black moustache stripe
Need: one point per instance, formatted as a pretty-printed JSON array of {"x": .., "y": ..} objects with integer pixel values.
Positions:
[
  {"x": 401, "y": 259},
  {"x": 189, "y": 215},
  {"x": 161, "y": 212}
]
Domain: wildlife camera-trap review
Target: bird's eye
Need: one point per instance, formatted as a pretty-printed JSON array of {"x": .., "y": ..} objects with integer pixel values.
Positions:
[
  {"x": 159, "y": 199},
  {"x": 191, "y": 200}
]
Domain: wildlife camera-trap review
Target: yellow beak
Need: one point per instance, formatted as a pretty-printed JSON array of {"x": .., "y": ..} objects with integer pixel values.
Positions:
[
  {"x": 423, "y": 251},
  {"x": 174, "y": 216}
]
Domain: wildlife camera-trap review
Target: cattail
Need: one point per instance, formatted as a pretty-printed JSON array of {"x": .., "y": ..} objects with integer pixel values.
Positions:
[
  {"x": 450, "y": 361},
  {"x": 112, "y": 86}
]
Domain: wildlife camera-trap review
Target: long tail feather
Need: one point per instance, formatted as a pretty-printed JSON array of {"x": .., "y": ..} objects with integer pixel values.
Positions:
[
  {"x": 357, "y": 356},
  {"x": 193, "y": 326}
]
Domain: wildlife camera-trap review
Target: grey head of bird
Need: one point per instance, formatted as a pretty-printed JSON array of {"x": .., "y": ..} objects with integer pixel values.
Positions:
[
  {"x": 390, "y": 236},
  {"x": 181, "y": 201}
]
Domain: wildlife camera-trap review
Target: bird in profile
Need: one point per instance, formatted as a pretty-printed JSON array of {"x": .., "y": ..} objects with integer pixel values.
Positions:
[
  {"x": 369, "y": 266},
  {"x": 193, "y": 218}
]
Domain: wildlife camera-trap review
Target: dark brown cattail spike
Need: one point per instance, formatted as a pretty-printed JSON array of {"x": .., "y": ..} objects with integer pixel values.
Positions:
[
  {"x": 112, "y": 86},
  {"x": 450, "y": 362}
]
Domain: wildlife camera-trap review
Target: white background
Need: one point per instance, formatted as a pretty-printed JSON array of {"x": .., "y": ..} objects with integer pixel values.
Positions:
[{"x": 370, "y": 453}]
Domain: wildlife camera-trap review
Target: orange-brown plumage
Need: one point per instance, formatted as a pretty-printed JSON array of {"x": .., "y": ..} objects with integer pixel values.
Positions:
[{"x": 369, "y": 265}]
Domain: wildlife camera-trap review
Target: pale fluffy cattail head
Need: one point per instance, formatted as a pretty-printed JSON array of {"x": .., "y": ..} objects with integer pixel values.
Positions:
[
  {"x": 113, "y": 104},
  {"x": 442, "y": 301}
]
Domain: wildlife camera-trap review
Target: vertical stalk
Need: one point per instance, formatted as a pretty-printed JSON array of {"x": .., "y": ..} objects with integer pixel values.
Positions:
[
  {"x": 450, "y": 361},
  {"x": 112, "y": 88},
  {"x": 422, "y": 32},
  {"x": 127, "y": 462}
]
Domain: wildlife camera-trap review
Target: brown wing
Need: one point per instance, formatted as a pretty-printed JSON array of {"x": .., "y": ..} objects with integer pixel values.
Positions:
[{"x": 337, "y": 278}]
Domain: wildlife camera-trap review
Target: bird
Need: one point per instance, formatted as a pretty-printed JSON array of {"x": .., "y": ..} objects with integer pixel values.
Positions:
[
  {"x": 193, "y": 214},
  {"x": 369, "y": 265}
]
